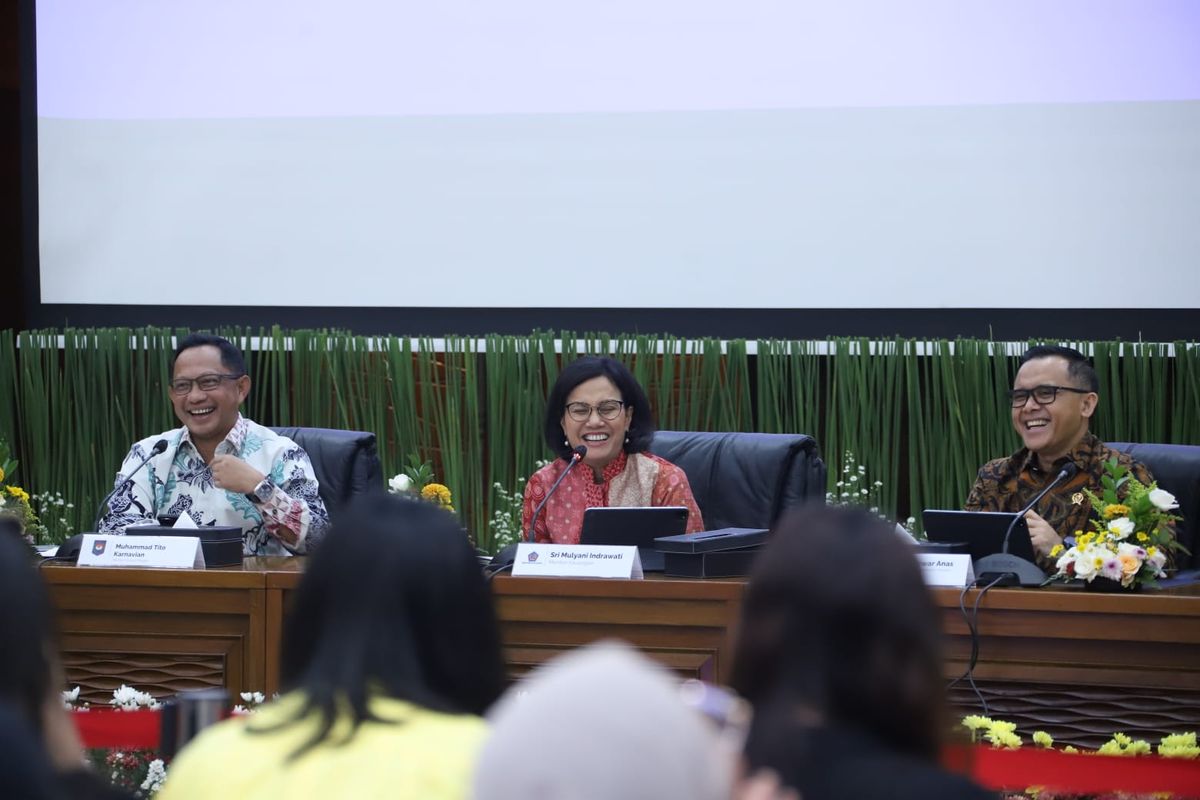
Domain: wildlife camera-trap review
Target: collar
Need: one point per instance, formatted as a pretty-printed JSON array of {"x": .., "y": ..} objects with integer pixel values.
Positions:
[
  {"x": 1082, "y": 455},
  {"x": 231, "y": 444},
  {"x": 614, "y": 467}
]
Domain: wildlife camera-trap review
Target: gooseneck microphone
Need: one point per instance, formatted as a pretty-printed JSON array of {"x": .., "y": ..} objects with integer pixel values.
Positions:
[
  {"x": 576, "y": 456},
  {"x": 1066, "y": 473},
  {"x": 507, "y": 555},
  {"x": 1005, "y": 569},
  {"x": 159, "y": 447}
]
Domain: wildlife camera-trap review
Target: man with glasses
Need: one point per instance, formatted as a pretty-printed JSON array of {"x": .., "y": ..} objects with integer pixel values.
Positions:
[
  {"x": 220, "y": 468},
  {"x": 1053, "y": 398}
]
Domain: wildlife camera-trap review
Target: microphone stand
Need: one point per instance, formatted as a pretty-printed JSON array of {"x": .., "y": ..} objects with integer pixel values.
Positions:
[
  {"x": 505, "y": 558},
  {"x": 1007, "y": 569}
]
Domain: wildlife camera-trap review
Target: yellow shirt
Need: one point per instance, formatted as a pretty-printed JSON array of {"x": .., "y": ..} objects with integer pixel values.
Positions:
[{"x": 416, "y": 754}]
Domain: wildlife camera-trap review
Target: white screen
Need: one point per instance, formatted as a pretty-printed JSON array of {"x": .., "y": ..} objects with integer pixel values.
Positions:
[{"x": 658, "y": 153}]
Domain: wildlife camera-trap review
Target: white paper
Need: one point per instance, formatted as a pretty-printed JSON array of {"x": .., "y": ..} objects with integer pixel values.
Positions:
[
  {"x": 577, "y": 561},
  {"x": 157, "y": 552}
]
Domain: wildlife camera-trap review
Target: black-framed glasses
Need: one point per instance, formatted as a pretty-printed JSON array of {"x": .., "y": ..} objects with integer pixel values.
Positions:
[
  {"x": 207, "y": 383},
  {"x": 1043, "y": 395},
  {"x": 607, "y": 409}
]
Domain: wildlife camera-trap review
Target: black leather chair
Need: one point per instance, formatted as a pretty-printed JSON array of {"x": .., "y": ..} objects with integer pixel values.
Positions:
[
  {"x": 1176, "y": 468},
  {"x": 346, "y": 462},
  {"x": 745, "y": 480}
]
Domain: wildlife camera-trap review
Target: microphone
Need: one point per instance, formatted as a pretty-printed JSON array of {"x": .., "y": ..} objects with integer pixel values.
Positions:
[
  {"x": 507, "y": 555},
  {"x": 1010, "y": 570},
  {"x": 576, "y": 456},
  {"x": 1066, "y": 473},
  {"x": 159, "y": 447}
]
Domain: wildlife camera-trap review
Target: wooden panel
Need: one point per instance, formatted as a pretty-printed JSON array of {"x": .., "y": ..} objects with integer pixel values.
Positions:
[
  {"x": 682, "y": 624},
  {"x": 1076, "y": 664}
]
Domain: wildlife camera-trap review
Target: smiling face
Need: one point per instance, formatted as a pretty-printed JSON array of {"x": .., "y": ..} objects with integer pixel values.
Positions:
[
  {"x": 603, "y": 438},
  {"x": 1051, "y": 430},
  {"x": 208, "y": 415}
]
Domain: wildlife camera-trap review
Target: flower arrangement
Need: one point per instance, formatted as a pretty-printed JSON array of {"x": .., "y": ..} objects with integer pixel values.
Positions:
[
  {"x": 1002, "y": 734},
  {"x": 1131, "y": 534},
  {"x": 417, "y": 479},
  {"x": 14, "y": 501},
  {"x": 505, "y": 524},
  {"x": 856, "y": 489}
]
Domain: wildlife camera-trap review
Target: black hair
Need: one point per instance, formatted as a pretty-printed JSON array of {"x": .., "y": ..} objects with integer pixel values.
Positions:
[
  {"x": 393, "y": 602},
  {"x": 1078, "y": 367},
  {"x": 231, "y": 356},
  {"x": 641, "y": 430},
  {"x": 28, "y": 632},
  {"x": 837, "y": 623}
]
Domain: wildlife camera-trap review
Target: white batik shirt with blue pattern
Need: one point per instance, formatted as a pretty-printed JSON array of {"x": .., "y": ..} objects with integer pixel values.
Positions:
[{"x": 178, "y": 481}]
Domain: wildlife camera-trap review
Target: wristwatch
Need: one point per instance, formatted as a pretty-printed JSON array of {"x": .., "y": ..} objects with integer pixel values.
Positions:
[{"x": 262, "y": 493}]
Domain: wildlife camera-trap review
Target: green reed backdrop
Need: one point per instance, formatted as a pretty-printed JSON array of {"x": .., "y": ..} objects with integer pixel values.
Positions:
[{"x": 920, "y": 416}]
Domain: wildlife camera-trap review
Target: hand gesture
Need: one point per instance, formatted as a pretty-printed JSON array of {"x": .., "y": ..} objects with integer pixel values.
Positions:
[{"x": 230, "y": 472}]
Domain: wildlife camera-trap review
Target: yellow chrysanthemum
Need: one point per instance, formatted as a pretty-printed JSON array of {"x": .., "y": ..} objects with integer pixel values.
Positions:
[
  {"x": 1143, "y": 537},
  {"x": 1043, "y": 739},
  {"x": 1, "y": 476},
  {"x": 1070, "y": 749},
  {"x": 19, "y": 493},
  {"x": 437, "y": 493},
  {"x": 1057, "y": 550},
  {"x": 974, "y": 722},
  {"x": 1179, "y": 745},
  {"x": 1114, "y": 510}
]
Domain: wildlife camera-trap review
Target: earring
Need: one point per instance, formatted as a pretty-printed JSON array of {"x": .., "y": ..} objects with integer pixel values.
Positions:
[
  {"x": 626, "y": 437},
  {"x": 566, "y": 442}
]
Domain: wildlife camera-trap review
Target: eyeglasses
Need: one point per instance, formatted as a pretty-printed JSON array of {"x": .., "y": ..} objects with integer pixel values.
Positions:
[
  {"x": 182, "y": 386},
  {"x": 728, "y": 712},
  {"x": 1042, "y": 395},
  {"x": 607, "y": 409}
]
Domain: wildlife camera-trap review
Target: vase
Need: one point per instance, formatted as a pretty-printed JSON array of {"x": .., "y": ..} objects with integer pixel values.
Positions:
[{"x": 1100, "y": 584}]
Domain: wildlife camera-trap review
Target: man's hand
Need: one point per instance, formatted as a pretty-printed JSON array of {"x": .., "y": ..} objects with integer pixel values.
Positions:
[
  {"x": 1041, "y": 534},
  {"x": 230, "y": 472}
]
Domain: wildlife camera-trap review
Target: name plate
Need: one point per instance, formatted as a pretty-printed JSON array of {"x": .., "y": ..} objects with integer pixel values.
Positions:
[
  {"x": 946, "y": 569},
  {"x": 159, "y": 552},
  {"x": 577, "y": 561}
]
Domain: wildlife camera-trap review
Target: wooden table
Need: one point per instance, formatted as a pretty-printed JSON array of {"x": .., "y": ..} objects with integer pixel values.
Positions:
[{"x": 1077, "y": 664}]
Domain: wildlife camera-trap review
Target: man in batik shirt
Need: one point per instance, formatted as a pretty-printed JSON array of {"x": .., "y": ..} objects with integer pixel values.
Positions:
[
  {"x": 1053, "y": 398},
  {"x": 220, "y": 468}
]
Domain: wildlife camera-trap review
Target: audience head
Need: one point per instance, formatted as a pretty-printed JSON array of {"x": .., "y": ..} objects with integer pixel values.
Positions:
[
  {"x": 596, "y": 402},
  {"x": 29, "y": 671},
  {"x": 618, "y": 728},
  {"x": 394, "y": 602},
  {"x": 838, "y": 629},
  {"x": 1054, "y": 396},
  {"x": 208, "y": 385}
]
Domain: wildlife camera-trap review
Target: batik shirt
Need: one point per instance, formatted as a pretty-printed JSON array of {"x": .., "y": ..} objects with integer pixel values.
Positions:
[
  {"x": 1010, "y": 484},
  {"x": 641, "y": 479},
  {"x": 178, "y": 481}
]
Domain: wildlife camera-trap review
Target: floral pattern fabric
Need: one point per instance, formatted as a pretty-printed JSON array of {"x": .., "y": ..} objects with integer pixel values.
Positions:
[
  {"x": 178, "y": 481},
  {"x": 641, "y": 479}
]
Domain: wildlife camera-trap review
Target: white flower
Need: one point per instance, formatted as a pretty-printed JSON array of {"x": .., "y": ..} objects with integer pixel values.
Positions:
[
  {"x": 1111, "y": 568},
  {"x": 127, "y": 698},
  {"x": 1162, "y": 499},
  {"x": 1087, "y": 562},
  {"x": 400, "y": 483},
  {"x": 156, "y": 773},
  {"x": 1158, "y": 560},
  {"x": 1121, "y": 527},
  {"x": 71, "y": 696}
]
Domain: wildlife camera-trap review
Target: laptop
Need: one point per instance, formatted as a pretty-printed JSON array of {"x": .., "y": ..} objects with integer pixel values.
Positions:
[
  {"x": 982, "y": 531},
  {"x": 638, "y": 526}
]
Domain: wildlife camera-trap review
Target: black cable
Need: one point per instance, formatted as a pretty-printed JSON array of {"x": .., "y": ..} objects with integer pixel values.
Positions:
[{"x": 972, "y": 621}]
